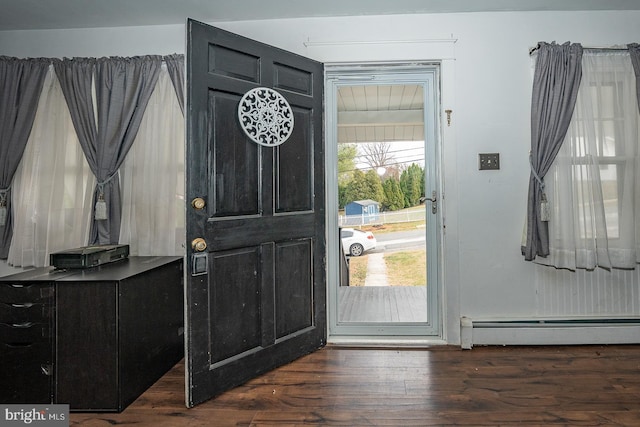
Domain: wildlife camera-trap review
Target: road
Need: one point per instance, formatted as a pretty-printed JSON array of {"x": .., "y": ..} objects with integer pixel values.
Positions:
[{"x": 399, "y": 240}]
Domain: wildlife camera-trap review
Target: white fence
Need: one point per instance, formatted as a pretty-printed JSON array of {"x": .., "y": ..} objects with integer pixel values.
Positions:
[{"x": 381, "y": 218}]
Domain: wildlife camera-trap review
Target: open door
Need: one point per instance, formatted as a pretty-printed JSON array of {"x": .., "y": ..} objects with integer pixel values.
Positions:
[{"x": 255, "y": 286}]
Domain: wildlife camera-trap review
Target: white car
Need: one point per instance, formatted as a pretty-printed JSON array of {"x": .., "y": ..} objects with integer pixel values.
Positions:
[{"x": 355, "y": 242}]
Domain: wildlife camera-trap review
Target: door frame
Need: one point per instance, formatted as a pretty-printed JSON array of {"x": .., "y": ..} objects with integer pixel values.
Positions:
[{"x": 427, "y": 73}]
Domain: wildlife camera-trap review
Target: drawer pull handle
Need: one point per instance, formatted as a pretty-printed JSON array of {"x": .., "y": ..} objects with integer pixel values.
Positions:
[
  {"x": 18, "y": 285},
  {"x": 23, "y": 325},
  {"x": 18, "y": 344},
  {"x": 25, "y": 305}
]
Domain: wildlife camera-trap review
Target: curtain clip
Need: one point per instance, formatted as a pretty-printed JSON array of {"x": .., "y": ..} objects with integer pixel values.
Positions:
[
  {"x": 3, "y": 206},
  {"x": 545, "y": 212}
]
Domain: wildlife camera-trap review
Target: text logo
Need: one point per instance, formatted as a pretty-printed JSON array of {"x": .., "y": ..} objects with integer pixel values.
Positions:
[{"x": 34, "y": 415}]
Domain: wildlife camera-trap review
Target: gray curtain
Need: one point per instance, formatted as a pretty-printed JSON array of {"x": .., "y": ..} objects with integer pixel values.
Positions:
[
  {"x": 123, "y": 87},
  {"x": 175, "y": 67},
  {"x": 634, "y": 53},
  {"x": 21, "y": 83},
  {"x": 555, "y": 88}
]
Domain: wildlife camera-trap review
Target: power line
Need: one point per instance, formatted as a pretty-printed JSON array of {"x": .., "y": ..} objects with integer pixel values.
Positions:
[
  {"x": 398, "y": 160},
  {"x": 388, "y": 164},
  {"x": 394, "y": 151}
]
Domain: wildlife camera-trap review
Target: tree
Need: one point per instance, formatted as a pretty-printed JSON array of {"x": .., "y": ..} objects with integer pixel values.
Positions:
[
  {"x": 343, "y": 190},
  {"x": 357, "y": 188},
  {"x": 364, "y": 186},
  {"x": 377, "y": 155},
  {"x": 346, "y": 162},
  {"x": 412, "y": 184},
  {"x": 393, "y": 197},
  {"x": 374, "y": 186}
]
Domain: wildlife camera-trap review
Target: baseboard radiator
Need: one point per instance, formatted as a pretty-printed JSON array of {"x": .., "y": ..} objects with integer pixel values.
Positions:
[{"x": 548, "y": 332}]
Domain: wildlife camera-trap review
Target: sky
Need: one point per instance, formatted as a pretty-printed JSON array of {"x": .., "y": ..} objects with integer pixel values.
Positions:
[{"x": 404, "y": 152}]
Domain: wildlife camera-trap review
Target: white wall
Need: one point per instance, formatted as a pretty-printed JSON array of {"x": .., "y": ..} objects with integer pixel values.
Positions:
[
  {"x": 487, "y": 84},
  {"x": 125, "y": 41}
]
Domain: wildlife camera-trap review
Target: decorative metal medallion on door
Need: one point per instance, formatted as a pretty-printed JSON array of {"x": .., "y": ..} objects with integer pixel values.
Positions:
[{"x": 265, "y": 116}]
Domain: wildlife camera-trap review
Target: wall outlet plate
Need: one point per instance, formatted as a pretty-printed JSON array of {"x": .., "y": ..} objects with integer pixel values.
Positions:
[{"x": 488, "y": 161}]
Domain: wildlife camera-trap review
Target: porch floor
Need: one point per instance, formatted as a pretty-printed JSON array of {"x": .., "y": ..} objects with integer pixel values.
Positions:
[{"x": 382, "y": 304}]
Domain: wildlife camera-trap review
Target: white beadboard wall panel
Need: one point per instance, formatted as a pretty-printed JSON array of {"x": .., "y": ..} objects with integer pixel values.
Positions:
[{"x": 585, "y": 294}]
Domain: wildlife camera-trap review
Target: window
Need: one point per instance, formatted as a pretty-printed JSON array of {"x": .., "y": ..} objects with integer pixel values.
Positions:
[
  {"x": 593, "y": 183},
  {"x": 53, "y": 186},
  {"x": 346, "y": 233}
]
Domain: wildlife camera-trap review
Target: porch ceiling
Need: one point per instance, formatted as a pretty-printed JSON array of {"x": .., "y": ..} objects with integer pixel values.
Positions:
[{"x": 380, "y": 113}]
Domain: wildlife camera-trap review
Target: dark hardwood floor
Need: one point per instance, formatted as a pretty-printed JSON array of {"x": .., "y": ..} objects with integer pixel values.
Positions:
[{"x": 486, "y": 386}]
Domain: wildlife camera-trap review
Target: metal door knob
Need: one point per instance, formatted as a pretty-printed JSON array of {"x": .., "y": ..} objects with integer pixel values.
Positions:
[
  {"x": 198, "y": 244},
  {"x": 198, "y": 203}
]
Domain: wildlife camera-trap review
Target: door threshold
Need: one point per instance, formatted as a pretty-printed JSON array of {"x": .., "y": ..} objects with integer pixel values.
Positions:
[{"x": 395, "y": 341}]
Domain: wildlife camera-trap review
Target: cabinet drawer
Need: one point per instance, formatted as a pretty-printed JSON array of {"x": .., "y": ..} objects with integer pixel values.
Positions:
[
  {"x": 24, "y": 312},
  {"x": 26, "y": 373},
  {"x": 19, "y": 293},
  {"x": 21, "y": 334}
]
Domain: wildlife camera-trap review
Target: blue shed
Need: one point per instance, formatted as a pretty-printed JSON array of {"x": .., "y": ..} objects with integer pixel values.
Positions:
[{"x": 365, "y": 210}]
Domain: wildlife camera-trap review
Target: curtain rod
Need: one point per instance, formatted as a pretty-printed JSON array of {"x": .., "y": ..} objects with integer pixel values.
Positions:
[
  {"x": 534, "y": 49},
  {"x": 310, "y": 43}
]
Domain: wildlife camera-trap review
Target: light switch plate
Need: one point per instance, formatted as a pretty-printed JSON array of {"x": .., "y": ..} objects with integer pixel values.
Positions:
[{"x": 488, "y": 161}]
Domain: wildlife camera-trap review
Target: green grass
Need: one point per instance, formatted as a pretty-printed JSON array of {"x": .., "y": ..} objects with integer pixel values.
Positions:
[
  {"x": 404, "y": 268},
  {"x": 357, "y": 270},
  {"x": 407, "y": 268},
  {"x": 391, "y": 227}
]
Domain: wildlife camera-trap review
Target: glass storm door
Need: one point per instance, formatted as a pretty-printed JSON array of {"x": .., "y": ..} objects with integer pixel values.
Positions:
[{"x": 382, "y": 208}]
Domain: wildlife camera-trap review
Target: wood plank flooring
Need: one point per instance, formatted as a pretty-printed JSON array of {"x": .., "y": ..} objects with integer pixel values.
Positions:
[
  {"x": 485, "y": 386},
  {"x": 382, "y": 304}
]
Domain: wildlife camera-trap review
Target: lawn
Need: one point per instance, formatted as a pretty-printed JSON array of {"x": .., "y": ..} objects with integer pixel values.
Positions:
[
  {"x": 357, "y": 270},
  {"x": 404, "y": 268},
  {"x": 407, "y": 268},
  {"x": 394, "y": 226}
]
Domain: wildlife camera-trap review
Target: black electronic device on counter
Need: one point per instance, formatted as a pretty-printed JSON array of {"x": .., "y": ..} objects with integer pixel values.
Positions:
[{"x": 88, "y": 256}]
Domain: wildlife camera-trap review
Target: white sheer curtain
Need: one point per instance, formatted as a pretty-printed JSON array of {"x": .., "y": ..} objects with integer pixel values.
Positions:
[
  {"x": 152, "y": 178},
  {"x": 594, "y": 184},
  {"x": 53, "y": 185}
]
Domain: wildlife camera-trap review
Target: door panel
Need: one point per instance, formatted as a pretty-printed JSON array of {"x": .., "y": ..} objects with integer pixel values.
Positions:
[
  {"x": 293, "y": 79},
  {"x": 294, "y": 184},
  {"x": 234, "y": 303},
  {"x": 235, "y": 160},
  {"x": 294, "y": 299},
  {"x": 228, "y": 62},
  {"x": 260, "y": 301}
]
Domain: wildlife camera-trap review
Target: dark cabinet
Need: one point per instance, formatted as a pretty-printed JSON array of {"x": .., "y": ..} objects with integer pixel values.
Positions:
[
  {"x": 94, "y": 339},
  {"x": 27, "y": 329}
]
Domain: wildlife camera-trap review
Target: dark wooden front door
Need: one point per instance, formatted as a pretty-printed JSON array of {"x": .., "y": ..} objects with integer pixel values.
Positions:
[{"x": 256, "y": 294}]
